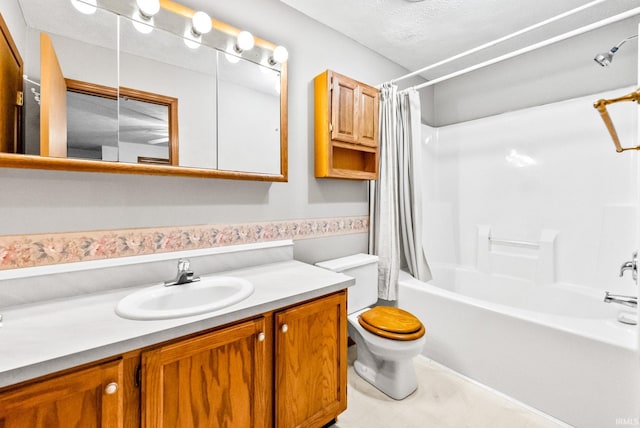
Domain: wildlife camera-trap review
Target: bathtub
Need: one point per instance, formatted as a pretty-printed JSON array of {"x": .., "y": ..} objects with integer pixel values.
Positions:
[{"x": 557, "y": 348}]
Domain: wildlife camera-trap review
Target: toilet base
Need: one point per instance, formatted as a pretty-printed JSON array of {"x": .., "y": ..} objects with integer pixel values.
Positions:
[{"x": 397, "y": 379}]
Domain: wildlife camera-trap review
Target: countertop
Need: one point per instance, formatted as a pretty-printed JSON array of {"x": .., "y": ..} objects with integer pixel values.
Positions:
[{"x": 43, "y": 338}]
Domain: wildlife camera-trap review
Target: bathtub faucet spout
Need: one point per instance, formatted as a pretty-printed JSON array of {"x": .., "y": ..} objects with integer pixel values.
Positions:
[{"x": 631, "y": 301}]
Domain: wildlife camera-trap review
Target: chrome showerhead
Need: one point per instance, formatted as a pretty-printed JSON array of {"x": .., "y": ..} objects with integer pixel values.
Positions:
[{"x": 604, "y": 59}]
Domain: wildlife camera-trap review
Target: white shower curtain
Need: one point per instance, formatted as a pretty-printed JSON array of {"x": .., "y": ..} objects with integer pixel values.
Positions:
[{"x": 395, "y": 199}]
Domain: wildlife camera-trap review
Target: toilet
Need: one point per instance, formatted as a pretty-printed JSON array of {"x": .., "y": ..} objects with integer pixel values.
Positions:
[{"x": 386, "y": 338}]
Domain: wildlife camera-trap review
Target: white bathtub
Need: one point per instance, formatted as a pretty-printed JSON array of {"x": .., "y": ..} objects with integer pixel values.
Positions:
[{"x": 556, "y": 348}]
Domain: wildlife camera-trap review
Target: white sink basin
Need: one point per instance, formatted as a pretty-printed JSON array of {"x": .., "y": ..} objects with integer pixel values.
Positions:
[{"x": 160, "y": 302}]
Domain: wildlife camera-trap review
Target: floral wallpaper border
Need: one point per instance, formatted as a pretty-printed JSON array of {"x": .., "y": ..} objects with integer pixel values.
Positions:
[{"x": 21, "y": 251}]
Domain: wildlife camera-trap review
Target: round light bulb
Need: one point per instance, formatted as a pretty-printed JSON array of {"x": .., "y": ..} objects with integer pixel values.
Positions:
[
  {"x": 148, "y": 7},
  {"x": 280, "y": 54},
  {"x": 201, "y": 23},
  {"x": 191, "y": 40},
  {"x": 87, "y": 7},
  {"x": 245, "y": 41}
]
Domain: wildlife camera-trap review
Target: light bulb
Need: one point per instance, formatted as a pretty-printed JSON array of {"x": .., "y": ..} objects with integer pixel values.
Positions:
[
  {"x": 280, "y": 55},
  {"x": 191, "y": 40},
  {"x": 148, "y": 8},
  {"x": 244, "y": 42},
  {"x": 141, "y": 23},
  {"x": 87, "y": 7},
  {"x": 201, "y": 23}
]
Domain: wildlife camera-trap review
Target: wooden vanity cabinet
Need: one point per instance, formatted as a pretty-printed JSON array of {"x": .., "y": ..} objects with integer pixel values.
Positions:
[
  {"x": 311, "y": 362},
  {"x": 346, "y": 127},
  {"x": 282, "y": 369},
  {"x": 84, "y": 398},
  {"x": 218, "y": 379}
]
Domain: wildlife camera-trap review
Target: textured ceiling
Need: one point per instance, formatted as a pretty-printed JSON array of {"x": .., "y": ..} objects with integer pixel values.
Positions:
[{"x": 417, "y": 34}]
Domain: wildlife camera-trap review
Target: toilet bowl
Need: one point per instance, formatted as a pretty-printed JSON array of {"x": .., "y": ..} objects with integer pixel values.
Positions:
[{"x": 386, "y": 338}]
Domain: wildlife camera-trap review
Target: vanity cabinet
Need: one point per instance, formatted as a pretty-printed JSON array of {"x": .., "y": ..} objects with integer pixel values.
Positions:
[
  {"x": 84, "y": 398},
  {"x": 311, "y": 362},
  {"x": 218, "y": 379},
  {"x": 346, "y": 127},
  {"x": 283, "y": 369}
]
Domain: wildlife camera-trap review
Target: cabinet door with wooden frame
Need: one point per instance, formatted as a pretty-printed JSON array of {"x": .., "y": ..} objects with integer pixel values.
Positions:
[
  {"x": 218, "y": 379},
  {"x": 368, "y": 116},
  {"x": 87, "y": 398},
  {"x": 11, "y": 67},
  {"x": 311, "y": 362},
  {"x": 345, "y": 101}
]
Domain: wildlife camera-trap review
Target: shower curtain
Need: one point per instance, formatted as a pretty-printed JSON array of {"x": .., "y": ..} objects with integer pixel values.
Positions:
[{"x": 395, "y": 234}]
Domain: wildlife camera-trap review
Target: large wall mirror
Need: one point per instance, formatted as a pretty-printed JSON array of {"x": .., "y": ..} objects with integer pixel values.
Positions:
[{"x": 113, "y": 86}]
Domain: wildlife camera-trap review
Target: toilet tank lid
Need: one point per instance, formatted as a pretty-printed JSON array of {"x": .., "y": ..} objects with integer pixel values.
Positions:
[{"x": 349, "y": 262}]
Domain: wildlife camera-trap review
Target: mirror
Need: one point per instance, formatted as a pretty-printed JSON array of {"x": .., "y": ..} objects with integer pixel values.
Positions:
[{"x": 99, "y": 94}]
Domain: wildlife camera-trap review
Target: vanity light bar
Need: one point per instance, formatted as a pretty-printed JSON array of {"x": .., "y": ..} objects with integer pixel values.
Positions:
[{"x": 198, "y": 29}]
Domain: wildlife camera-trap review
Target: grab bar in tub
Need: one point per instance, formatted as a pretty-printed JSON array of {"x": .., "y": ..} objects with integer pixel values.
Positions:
[{"x": 525, "y": 244}]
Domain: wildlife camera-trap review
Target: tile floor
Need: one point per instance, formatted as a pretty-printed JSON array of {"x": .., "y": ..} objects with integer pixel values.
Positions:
[{"x": 443, "y": 400}]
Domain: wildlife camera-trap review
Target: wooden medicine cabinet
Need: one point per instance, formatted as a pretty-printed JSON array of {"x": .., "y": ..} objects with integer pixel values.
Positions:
[{"x": 346, "y": 128}]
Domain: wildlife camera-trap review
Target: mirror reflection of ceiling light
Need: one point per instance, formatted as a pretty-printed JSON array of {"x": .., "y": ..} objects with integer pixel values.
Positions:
[
  {"x": 280, "y": 55},
  {"x": 143, "y": 17},
  {"x": 87, "y": 7},
  {"x": 231, "y": 58},
  {"x": 244, "y": 42},
  {"x": 192, "y": 41},
  {"x": 141, "y": 23}
]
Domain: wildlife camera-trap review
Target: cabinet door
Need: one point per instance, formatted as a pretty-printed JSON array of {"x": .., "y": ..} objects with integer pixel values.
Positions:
[
  {"x": 311, "y": 362},
  {"x": 344, "y": 109},
  {"x": 87, "y": 398},
  {"x": 368, "y": 126},
  {"x": 218, "y": 379}
]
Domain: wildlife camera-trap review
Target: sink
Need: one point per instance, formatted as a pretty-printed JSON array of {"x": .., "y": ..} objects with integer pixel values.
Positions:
[{"x": 160, "y": 302}]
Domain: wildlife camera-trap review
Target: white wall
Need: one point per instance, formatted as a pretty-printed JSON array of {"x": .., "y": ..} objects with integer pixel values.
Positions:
[
  {"x": 556, "y": 72},
  {"x": 34, "y": 201},
  {"x": 548, "y": 167}
]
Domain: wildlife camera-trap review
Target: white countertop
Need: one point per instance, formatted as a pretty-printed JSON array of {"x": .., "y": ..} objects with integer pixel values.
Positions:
[{"x": 43, "y": 338}]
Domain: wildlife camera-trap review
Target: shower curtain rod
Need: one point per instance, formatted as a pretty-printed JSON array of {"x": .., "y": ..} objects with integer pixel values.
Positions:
[
  {"x": 500, "y": 40},
  {"x": 547, "y": 42}
]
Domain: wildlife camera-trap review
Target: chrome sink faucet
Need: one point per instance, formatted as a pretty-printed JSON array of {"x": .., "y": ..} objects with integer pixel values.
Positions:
[
  {"x": 631, "y": 301},
  {"x": 185, "y": 274}
]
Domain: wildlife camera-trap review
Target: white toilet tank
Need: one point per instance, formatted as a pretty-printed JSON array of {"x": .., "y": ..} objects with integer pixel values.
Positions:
[{"x": 364, "y": 269}]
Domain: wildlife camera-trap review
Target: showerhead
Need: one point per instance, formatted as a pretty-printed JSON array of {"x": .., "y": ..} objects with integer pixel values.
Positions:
[{"x": 604, "y": 59}]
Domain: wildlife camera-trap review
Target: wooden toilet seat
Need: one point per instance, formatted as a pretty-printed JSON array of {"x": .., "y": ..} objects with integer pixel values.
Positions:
[{"x": 392, "y": 323}]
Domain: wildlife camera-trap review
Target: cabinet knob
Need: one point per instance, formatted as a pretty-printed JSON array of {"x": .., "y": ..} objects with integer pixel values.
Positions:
[
  {"x": 111, "y": 388},
  {"x": 261, "y": 337},
  {"x": 284, "y": 328}
]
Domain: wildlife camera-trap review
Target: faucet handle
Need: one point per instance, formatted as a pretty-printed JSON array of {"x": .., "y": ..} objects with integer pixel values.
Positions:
[
  {"x": 631, "y": 265},
  {"x": 184, "y": 265}
]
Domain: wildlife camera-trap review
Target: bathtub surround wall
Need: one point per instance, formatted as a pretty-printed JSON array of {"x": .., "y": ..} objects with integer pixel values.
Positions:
[{"x": 528, "y": 175}]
